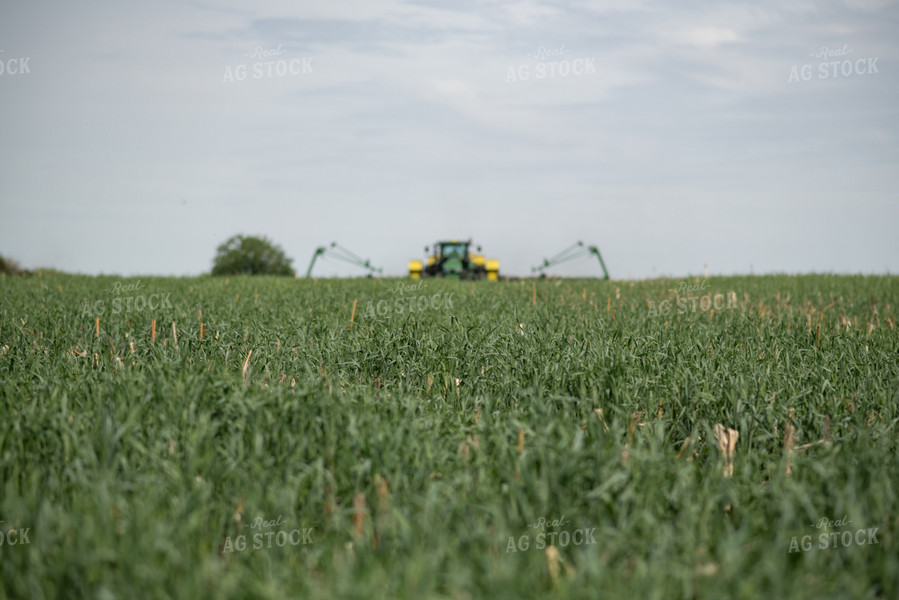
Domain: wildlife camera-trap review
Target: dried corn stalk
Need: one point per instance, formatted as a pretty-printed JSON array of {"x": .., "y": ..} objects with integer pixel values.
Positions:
[{"x": 727, "y": 442}]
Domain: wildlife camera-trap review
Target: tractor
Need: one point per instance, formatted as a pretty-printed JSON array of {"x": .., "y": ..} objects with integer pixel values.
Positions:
[{"x": 453, "y": 259}]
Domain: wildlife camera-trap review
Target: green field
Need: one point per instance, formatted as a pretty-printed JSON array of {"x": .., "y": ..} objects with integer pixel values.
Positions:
[{"x": 420, "y": 447}]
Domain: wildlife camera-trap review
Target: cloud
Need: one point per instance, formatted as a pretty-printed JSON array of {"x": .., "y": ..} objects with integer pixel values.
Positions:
[
  {"x": 454, "y": 87},
  {"x": 869, "y": 4},
  {"x": 705, "y": 37}
]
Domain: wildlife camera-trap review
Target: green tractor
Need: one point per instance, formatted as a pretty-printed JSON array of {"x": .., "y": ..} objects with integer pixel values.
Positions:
[{"x": 452, "y": 259}]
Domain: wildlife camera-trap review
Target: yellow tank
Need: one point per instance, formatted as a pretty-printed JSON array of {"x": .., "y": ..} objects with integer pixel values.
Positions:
[{"x": 492, "y": 269}]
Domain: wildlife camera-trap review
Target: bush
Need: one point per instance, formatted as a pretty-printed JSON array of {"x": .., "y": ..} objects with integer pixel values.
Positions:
[
  {"x": 10, "y": 267},
  {"x": 249, "y": 255}
]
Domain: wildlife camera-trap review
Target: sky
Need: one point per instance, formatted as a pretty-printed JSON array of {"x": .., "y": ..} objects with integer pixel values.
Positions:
[{"x": 678, "y": 137}]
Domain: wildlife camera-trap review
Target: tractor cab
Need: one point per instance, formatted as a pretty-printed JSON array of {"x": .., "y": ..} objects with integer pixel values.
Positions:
[
  {"x": 450, "y": 259},
  {"x": 453, "y": 259},
  {"x": 451, "y": 251}
]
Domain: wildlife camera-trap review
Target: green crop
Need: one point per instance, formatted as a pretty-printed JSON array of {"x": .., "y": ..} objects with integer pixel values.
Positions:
[{"x": 274, "y": 438}]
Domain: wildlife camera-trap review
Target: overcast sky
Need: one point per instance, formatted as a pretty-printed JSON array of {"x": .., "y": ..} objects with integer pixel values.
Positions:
[{"x": 670, "y": 134}]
